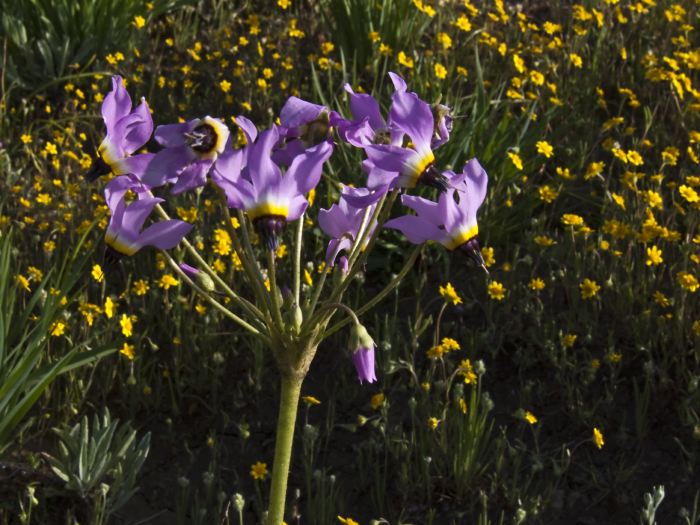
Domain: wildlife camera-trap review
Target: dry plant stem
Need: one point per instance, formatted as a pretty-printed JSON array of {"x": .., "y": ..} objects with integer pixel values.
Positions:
[
  {"x": 286, "y": 422},
  {"x": 216, "y": 304}
]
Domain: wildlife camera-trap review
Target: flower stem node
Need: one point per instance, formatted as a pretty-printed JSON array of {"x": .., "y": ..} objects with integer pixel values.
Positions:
[{"x": 362, "y": 346}]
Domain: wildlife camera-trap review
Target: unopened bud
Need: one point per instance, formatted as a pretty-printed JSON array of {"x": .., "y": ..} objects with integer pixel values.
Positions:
[{"x": 202, "y": 279}]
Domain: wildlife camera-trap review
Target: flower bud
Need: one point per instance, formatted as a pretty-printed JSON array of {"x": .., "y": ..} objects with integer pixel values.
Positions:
[
  {"x": 362, "y": 347},
  {"x": 202, "y": 279},
  {"x": 238, "y": 502}
]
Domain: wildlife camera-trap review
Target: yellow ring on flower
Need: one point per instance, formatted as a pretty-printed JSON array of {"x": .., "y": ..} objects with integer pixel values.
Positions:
[
  {"x": 461, "y": 238},
  {"x": 112, "y": 240},
  {"x": 267, "y": 209},
  {"x": 417, "y": 170}
]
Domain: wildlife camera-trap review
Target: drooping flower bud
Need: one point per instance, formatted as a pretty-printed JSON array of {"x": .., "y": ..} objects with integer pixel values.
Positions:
[
  {"x": 202, "y": 279},
  {"x": 362, "y": 347}
]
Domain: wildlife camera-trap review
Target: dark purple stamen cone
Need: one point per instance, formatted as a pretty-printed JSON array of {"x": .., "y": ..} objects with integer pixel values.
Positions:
[
  {"x": 111, "y": 258},
  {"x": 270, "y": 228},
  {"x": 473, "y": 251},
  {"x": 99, "y": 168},
  {"x": 433, "y": 178}
]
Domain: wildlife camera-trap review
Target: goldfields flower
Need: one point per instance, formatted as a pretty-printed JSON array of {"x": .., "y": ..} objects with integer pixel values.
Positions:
[
  {"x": 190, "y": 151},
  {"x": 589, "y": 288},
  {"x": 450, "y": 222},
  {"x": 362, "y": 347},
  {"x": 259, "y": 470},
  {"x": 450, "y": 294},
  {"x": 342, "y": 222},
  {"x": 598, "y": 438},
  {"x": 127, "y": 131},
  {"x": 124, "y": 235},
  {"x": 253, "y": 182}
]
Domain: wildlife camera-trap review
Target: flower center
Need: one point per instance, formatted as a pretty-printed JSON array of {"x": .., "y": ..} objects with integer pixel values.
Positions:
[{"x": 202, "y": 139}]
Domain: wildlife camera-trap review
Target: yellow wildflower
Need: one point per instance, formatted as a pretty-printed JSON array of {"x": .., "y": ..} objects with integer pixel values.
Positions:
[
  {"x": 598, "y": 438},
  {"x": 654, "y": 256},
  {"x": 496, "y": 291},
  {"x": 128, "y": 351},
  {"x": 589, "y": 288},
  {"x": 450, "y": 294},
  {"x": 544, "y": 148},
  {"x": 259, "y": 470}
]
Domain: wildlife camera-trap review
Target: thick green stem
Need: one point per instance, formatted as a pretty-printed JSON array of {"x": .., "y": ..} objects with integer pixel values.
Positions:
[{"x": 286, "y": 421}]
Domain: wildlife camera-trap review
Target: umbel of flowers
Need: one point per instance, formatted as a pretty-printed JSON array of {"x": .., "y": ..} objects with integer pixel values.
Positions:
[{"x": 266, "y": 185}]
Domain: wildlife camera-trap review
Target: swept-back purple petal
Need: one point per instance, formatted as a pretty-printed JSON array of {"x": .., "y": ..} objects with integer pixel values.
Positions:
[
  {"x": 415, "y": 229},
  {"x": 136, "y": 214},
  {"x": 413, "y": 116},
  {"x": 333, "y": 221},
  {"x": 359, "y": 134},
  {"x": 335, "y": 246},
  {"x": 116, "y": 105},
  {"x": 165, "y": 234},
  {"x": 285, "y": 155},
  {"x": 372, "y": 197},
  {"x": 172, "y": 135},
  {"x": 193, "y": 176},
  {"x": 165, "y": 165},
  {"x": 399, "y": 83},
  {"x": 140, "y": 130},
  {"x": 364, "y": 106},
  {"x": 297, "y": 112},
  {"x": 297, "y": 206},
  {"x": 449, "y": 210},
  {"x": 389, "y": 158},
  {"x": 249, "y": 129},
  {"x": 426, "y": 209},
  {"x": 262, "y": 171},
  {"x": 306, "y": 168},
  {"x": 477, "y": 183},
  {"x": 135, "y": 165}
]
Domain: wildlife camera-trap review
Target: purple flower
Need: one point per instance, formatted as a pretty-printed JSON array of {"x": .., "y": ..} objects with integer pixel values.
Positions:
[
  {"x": 124, "y": 235},
  {"x": 450, "y": 222},
  {"x": 413, "y": 117},
  {"x": 127, "y": 131},
  {"x": 190, "y": 151},
  {"x": 302, "y": 126},
  {"x": 342, "y": 222},
  {"x": 362, "y": 347},
  {"x": 389, "y": 163},
  {"x": 254, "y": 182}
]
